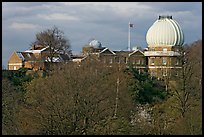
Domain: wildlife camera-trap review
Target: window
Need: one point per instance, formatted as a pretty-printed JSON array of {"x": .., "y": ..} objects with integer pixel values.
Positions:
[
  {"x": 126, "y": 60},
  {"x": 111, "y": 61},
  {"x": 165, "y": 50},
  {"x": 176, "y": 73},
  {"x": 104, "y": 60},
  {"x": 164, "y": 73},
  {"x": 152, "y": 61},
  {"x": 142, "y": 62},
  {"x": 138, "y": 61},
  {"x": 164, "y": 61},
  {"x": 117, "y": 59},
  {"x": 14, "y": 67},
  {"x": 133, "y": 61},
  {"x": 177, "y": 61}
]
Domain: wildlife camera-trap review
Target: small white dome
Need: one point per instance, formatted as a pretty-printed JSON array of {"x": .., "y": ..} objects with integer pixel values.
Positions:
[
  {"x": 134, "y": 48},
  {"x": 95, "y": 43},
  {"x": 165, "y": 31}
]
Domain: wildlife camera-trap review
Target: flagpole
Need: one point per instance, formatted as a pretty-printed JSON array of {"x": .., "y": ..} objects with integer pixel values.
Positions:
[{"x": 129, "y": 36}]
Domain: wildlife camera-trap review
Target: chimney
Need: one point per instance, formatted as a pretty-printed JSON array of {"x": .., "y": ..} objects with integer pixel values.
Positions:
[{"x": 34, "y": 47}]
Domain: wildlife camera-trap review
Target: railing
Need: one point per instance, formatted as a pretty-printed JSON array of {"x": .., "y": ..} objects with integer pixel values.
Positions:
[{"x": 161, "y": 53}]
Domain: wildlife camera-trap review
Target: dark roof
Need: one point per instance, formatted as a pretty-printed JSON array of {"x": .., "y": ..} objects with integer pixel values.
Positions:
[
  {"x": 77, "y": 56},
  {"x": 26, "y": 56},
  {"x": 97, "y": 50},
  {"x": 65, "y": 56},
  {"x": 124, "y": 53},
  {"x": 37, "y": 47}
]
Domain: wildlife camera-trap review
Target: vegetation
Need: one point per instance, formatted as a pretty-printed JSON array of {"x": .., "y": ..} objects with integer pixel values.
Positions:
[
  {"x": 94, "y": 99},
  {"x": 56, "y": 41},
  {"x": 19, "y": 77},
  {"x": 9, "y": 105},
  {"x": 146, "y": 89}
]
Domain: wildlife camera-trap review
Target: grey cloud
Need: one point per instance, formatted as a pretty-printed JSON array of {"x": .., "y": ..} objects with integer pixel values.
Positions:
[{"x": 173, "y": 6}]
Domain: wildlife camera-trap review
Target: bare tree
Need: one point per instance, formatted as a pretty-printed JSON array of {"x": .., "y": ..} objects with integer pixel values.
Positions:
[
  {"x": 55, "y": 40},
  {"x": 179, "y": 88},
  {"x": 185, "y": 88}
]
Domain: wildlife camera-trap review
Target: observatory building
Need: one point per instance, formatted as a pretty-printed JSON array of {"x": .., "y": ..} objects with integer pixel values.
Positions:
[
  {"x": 160, "y": 58},
  {"x": 164, "y": 39}
]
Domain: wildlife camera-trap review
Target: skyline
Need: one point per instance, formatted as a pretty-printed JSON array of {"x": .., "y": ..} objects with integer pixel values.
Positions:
[{"x": 103, "y": 21}]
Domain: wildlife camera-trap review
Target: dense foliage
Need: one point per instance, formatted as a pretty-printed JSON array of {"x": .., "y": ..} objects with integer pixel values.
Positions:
[
  {"x": 147, "y": 89},
  {"x": 17, "y": 77}
]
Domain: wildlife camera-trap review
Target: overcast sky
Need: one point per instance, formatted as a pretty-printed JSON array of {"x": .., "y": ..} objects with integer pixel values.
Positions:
[{"x": 82, "y": 21}]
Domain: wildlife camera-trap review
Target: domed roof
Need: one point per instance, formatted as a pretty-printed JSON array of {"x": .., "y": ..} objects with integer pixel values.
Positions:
[
  {"x": 165, "y": 31},
  {"x": 95, "y": 43}
]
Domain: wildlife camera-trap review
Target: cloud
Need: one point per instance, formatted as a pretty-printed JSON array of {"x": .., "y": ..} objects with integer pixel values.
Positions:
[
  {"x": 22, "y": 26},
  {"x": 58, "y": 16},
  {"x": 127, "y": 9}
]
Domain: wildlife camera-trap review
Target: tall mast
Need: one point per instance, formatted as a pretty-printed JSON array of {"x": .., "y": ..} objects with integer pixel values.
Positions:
[{"x": 129, "y": 48}]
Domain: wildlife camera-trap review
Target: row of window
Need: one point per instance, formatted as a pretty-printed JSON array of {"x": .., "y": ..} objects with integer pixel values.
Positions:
[
  {"x": 164, "y": 50},
  {"x": 136, "y": 61},
  {"x": 164, "y": 61},
  {"x": 125, "y": 60}
]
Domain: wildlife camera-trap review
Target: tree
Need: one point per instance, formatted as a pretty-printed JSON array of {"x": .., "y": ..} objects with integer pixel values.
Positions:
[
  {"x": 146, "y": 89},
  {"x": 55, "y": 40},
  {"x": 77, "y": 100},
  {"x": 187, "y": 90},
  {"x": 180, "y": 87},
  {"x": 9, "y": 108}
]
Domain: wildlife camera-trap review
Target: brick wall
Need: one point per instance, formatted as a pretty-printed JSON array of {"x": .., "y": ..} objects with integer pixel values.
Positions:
[{"x": 14, "y": 62}]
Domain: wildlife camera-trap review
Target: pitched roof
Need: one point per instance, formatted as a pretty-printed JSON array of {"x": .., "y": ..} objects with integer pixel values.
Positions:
[
  {"x": 26, "y": 56},
  {"x": 77, "y": 56},
  {"x": 135, "y": 52},
  {"x": 64, "y": 56},
  {"x": 123, "y": 53},
  {"x": 54, "y": 59},
  {"x": 37, "y": 47},
  {"x": 20, "y": 55},
  {"x": 37, "y": 50},
  {"x": 106, "y": 50},
  {"x": 58, "y": 58}
]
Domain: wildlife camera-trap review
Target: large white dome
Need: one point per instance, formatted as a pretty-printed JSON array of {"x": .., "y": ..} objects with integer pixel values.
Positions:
[{"x": 165, "y": 31}]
